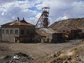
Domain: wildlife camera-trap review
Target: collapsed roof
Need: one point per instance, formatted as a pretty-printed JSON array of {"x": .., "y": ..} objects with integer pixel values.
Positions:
[{"x": 18, "y": 22}]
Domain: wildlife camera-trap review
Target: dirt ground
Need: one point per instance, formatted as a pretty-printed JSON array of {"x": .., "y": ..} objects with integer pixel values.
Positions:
[{"x": 41, "y": 52}]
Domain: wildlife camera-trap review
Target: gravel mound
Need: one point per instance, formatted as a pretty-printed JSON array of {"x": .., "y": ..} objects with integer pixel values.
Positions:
[{"x": 69, "y": 56}]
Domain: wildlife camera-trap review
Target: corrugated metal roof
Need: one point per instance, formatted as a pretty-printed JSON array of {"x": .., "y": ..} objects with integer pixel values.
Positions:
[
  {"x": 73, "y": 22},
  {"x": 68, "y": 28},
  {"x": 73, "y": 28}
]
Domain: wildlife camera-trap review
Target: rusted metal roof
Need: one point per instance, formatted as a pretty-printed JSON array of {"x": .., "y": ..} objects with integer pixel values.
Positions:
[
  {"x": 73, "y": 28},
  {"x": 18, "y": 23},
  {"x": 73, "y": 22},
  {"x": 68, "y": 28}
]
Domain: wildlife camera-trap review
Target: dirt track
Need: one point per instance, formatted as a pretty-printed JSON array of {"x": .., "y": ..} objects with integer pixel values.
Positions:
[{"x": 37, "y": 51}]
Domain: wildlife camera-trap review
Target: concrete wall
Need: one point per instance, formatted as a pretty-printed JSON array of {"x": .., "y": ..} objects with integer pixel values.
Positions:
[
  {"x": 27, "y": 37},
  {"x": 31, "y": 31},
  {"x": 17, "y": 37},
  {"x": 9, "y": 37}
]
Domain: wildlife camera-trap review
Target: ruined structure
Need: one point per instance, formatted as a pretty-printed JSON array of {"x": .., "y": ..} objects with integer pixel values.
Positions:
[
  {"x": 18, "y": 31},
  {"x": 71, "y": 28},
  {"x": 49, "y": 35}
]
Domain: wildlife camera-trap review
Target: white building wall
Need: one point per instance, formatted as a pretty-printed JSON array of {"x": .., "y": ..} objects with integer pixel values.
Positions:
[{"x": 9, "y": 37}]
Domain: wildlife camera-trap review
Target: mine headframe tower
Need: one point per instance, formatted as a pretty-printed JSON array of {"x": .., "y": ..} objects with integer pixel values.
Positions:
[{"x": 43, "y": 21}]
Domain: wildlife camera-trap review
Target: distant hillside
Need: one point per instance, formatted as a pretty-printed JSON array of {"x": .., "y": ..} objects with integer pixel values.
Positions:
[{"x": 75, "y": 22}]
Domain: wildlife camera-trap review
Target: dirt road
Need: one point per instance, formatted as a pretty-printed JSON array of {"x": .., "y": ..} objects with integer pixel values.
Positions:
[{"x": 37, "y": 51}]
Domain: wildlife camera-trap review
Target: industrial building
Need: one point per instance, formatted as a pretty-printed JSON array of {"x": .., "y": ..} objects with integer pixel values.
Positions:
[
  {"x": 48, "y": 35},
  {"x": 22, "y": 31},
  {"x": 71, "y": 28},
  {"x": 70, "y": 32},
  {"x": 18, "y": 31}
]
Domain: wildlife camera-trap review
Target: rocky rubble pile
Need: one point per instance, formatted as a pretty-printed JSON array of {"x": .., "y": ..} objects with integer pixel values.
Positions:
[
  {"x": 70, "y": 56},
  {"x": 16, "y": 58}
]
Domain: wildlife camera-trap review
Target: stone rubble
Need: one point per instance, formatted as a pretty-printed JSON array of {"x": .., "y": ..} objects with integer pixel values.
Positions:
[
  {"x": 16, "y": 58},
  {"x": 70, "y": 56}
]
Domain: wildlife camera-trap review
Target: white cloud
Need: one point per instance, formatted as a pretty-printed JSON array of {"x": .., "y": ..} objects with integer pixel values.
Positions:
[
  {"x": 16, "y": 9},
  {"x": 38, "y": 15},
  {"x": 63, "y": 9},
  {"x": 59, "y": 9},
  {"x": 6, "y": 1},
  {"x": 62, "y": 18}
]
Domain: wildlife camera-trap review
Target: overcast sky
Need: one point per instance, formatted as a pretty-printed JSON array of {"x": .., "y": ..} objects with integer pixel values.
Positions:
[{"x": 32, "y": 9}]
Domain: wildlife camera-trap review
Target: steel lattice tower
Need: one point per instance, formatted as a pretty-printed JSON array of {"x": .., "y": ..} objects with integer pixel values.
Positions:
[{"x": 43, "y": 21}]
